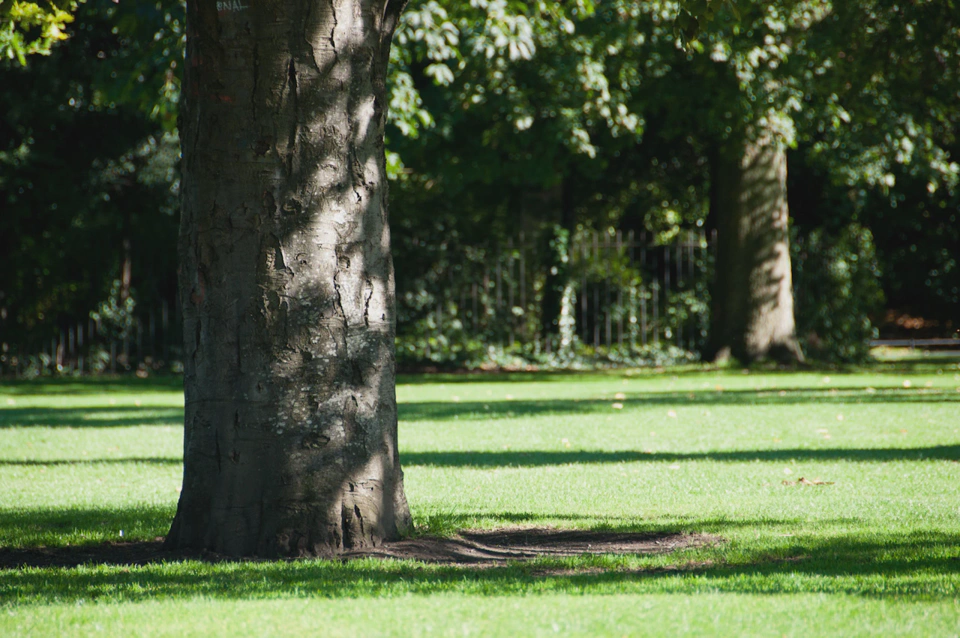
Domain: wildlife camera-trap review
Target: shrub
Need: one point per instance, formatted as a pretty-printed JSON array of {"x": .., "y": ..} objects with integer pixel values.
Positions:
[{"x": 836, "y": 290}]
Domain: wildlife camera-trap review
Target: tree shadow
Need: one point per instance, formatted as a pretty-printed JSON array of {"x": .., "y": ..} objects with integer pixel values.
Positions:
[
  {"x": 132, "y": 460},
  {"x": 36, "y": 527},
  {"x": 444, "y": 410},
  {"x": 535, "y": 376},
  {"x": 107, "y": 384},
  {"x": 98, "y": 417},
  {"x": 919, "y": 565},
  {"x": 119, "y": 416},
  {"x": 923, "y": 361},
  {"x": 539, "y": 458},
  {"x": 912, "y": 365}
]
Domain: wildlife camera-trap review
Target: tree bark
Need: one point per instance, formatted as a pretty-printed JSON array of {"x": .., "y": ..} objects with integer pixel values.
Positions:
[
  {"x": 751, "y": 315},
  {"x": 286, "y": 280},
  {"x": 557, "y": 251},
  {"x": 126, "y": 259}
]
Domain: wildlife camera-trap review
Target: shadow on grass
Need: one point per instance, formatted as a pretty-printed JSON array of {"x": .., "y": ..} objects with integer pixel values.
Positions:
[
  {"x": 929, "y": 361},
  {"x": 90, "y": 417},
  {"x": 131, "y": 460},
  {"x": 174, "y": 383},
  {"x": 90, "y": 385},
  {"x": 921, "y": 565},
  {"x": 118, "y": 416},
  {"x": 905, "y": 365},
  {"x": 510, "y": 458},
  {"x": 540, "y": 458},
  {"x": 36, "y": 527},
  {"x": 494, "y": 409}
]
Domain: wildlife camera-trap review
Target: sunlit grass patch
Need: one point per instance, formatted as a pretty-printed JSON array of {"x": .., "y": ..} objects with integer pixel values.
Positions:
[{"x": 869, "y": 540}]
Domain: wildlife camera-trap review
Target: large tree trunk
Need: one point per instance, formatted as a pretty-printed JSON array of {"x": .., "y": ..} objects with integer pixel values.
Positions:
[
  {"x": 751, "y": 315},
  {"x": 286, "y": 281}
]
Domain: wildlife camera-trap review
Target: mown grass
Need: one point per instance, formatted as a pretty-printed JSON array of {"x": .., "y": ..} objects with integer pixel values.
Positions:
[{"x": 874, "y": 550}]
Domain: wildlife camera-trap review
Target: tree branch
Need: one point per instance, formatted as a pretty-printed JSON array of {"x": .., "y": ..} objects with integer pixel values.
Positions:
[{"x": 391, "y": 17}]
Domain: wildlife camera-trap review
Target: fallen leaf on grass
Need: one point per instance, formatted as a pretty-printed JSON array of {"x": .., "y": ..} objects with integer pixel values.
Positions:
[
  {"x": 617, "y": 406},
  {"x": 871, "y": 390},
  {"x": 804, "y": 481},
  {"x": 12, "y": 402},
  {"x": 907, "y": 383},
  {"x": 619, "y": 396},
  {"x": 787, "y": 470},
  {"x": 674, "y": 467},
  {"x": 672, "y": 414}
]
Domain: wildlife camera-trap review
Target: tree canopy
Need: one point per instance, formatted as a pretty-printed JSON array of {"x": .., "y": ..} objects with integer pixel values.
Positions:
[{"x": 496, "y": 110}]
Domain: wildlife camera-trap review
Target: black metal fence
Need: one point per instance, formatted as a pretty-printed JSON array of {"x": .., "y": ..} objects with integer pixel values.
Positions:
[
  {"x": 622, "y": 290},
  {"x": 667, "y": 302},
  {"x": 150, "y": 340}
]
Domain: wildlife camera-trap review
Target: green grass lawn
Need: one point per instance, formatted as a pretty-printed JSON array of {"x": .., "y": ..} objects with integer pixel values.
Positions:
[{"x": 875, "y": 552}]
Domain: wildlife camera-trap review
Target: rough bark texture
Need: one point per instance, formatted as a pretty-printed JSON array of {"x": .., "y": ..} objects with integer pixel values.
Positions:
[
  {"x": 752, "y": 300},
  {"x": 290, "y": 444}
]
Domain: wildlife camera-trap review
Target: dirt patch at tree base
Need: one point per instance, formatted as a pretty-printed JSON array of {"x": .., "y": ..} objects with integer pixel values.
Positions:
[
  {"x": 474, "y": 548},
  {"x": 500, "y": 546}
]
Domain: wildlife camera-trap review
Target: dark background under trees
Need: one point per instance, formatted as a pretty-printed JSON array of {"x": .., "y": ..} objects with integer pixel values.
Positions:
[{"x": 551, "y": 181}]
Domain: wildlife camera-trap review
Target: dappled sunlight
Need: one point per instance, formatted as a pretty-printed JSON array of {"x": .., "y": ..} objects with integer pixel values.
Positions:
[
  {"x": 918, "y": 565},
  {"x": 872, "y": 518}
]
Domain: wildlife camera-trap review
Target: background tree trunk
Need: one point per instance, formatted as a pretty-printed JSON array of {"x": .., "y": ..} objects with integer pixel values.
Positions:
[
  {"x": 557, "y": 249},
  {"x": 286, "y": 281},
  {"x": 751, "y": 315}
]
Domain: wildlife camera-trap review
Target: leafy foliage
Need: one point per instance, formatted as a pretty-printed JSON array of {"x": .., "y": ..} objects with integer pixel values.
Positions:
[
  {"x": 32, "y": 28},
  {"x": 837, "y": 282},
  {"x": 509, "y": 118},
  {"x": 88, "y": 160}
]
